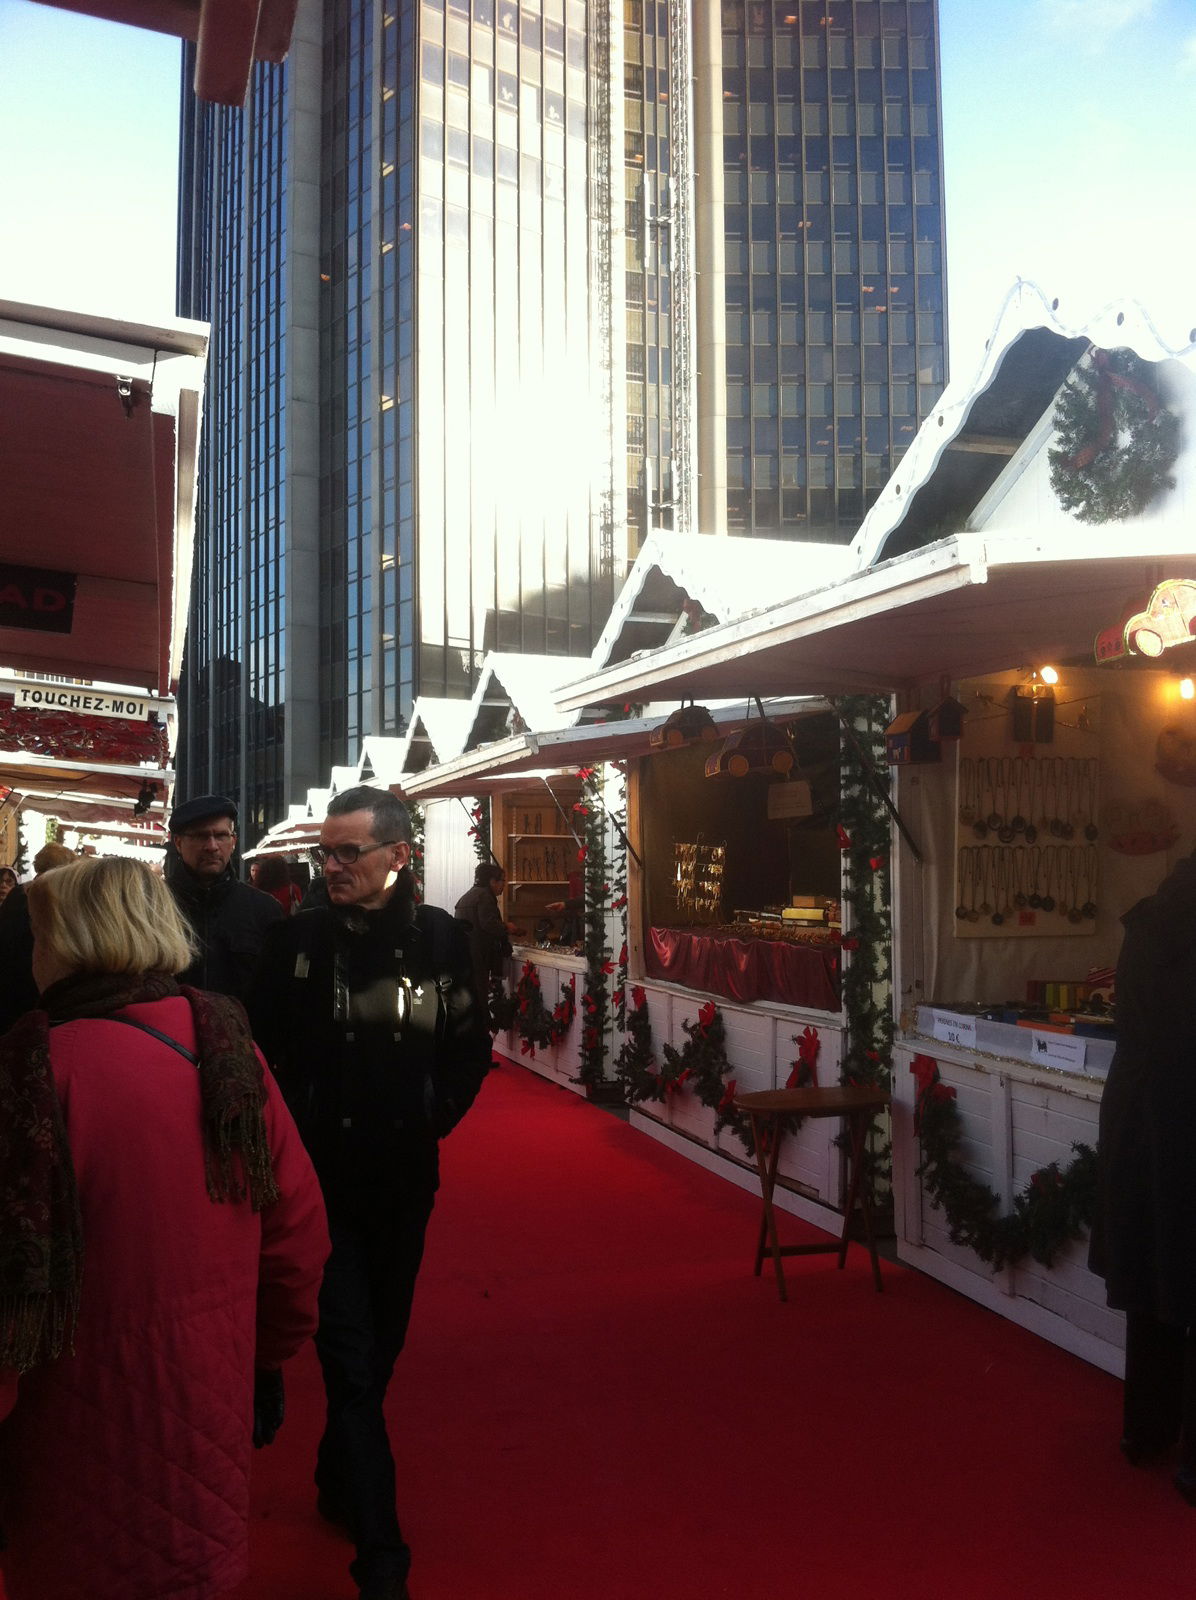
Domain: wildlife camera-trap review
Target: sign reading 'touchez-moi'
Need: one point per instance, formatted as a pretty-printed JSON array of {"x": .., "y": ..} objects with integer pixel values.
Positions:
[
  {"x": 93, "y": 702},
  {"x": 35, "y": 597}
]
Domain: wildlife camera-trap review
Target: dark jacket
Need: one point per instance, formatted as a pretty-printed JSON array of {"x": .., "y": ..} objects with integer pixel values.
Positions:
[
  {"x": 488, "y": 943},
  {"x": 229, "y": 919},
  {"x": 369, "y": 1021},
  {"x": 1144, "y": 1234},
  {"x": 18, "y": 992}
]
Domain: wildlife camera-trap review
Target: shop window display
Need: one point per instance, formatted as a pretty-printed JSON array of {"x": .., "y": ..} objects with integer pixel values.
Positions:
[{"x": 742, "y": 885}]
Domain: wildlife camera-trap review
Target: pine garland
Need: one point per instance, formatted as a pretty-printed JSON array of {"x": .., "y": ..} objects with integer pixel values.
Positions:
[
  {"x": 416, "y": 813},
  {"x": 479, "y": 832},
  {"x": 618, "y": 889},
  {"x": 595, "y": 998},
  {"x": 1117, "y": 442},
  {"x": 700, "y": 1067},
  {"x": 1055, "y": 1207},
  {"x": 635, "y": 1063},
  {"x": 866, "y": 976},
  {"x": 537, "y": 1027}
]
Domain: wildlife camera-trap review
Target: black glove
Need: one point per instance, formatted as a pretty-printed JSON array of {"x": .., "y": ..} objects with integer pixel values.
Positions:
[{"x": 269, "y": 1406}]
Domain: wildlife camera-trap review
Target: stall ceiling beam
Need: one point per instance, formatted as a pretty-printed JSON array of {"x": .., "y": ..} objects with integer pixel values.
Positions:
[{"x": 985, "y": 444}]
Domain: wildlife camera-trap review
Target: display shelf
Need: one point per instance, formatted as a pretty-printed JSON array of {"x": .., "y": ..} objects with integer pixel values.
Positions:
[{"x": 542, "y": 836}]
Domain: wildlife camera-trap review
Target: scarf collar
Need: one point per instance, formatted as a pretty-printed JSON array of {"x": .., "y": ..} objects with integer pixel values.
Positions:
[{"x": 41, "y": 1235}]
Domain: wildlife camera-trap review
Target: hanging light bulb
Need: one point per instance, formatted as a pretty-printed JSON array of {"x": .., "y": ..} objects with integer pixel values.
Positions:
[
  {"x": 1187, "y": 689},
  {"x": 1048, "y": 674}
]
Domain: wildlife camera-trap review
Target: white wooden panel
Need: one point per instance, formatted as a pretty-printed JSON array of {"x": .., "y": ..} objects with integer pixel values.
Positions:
[
  {"x": 751, "y": 1048},
  {"x": 449, "y": 859}
]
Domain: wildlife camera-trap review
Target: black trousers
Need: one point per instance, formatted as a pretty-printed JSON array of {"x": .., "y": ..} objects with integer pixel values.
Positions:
[
  {"x": 1160, "y": 1386},
  {"x": 365, "y": 1306}
]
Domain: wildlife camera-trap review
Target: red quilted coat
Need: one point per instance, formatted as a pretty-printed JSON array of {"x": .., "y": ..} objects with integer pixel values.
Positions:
[{"x": 125, "y": 1466}]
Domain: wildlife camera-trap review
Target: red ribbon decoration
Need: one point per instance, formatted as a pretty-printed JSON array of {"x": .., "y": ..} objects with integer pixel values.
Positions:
[
  {"x": 728, "y": 1099},
  {"x": 1106, "y": 382}
]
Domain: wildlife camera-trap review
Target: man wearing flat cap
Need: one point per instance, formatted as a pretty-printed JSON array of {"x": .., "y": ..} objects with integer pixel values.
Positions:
[{"x": 228, "y": 918}]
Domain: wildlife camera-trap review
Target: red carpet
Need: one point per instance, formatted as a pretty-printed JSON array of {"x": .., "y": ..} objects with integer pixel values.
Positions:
[{"x": 599, "y": 1402}]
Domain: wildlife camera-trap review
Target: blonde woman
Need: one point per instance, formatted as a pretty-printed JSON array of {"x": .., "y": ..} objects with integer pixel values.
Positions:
[{"x": 162, "y": 1238}]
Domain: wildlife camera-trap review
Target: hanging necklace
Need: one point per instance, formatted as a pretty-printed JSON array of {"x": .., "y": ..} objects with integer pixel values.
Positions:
[
  {"x": 1089, "y": 907},
  {"x": 967, "y": 791}
]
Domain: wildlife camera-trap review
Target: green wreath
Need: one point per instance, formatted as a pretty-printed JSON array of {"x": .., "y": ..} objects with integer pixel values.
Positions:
[{"x": 1117, "y": 442}]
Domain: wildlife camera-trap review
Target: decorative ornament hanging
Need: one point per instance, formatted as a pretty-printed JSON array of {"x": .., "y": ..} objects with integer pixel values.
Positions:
[{"x": 1116, "y": 441}]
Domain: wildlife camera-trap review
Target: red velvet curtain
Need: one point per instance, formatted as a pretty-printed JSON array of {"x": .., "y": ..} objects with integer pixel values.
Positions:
[{"x": 746, "y": 969}]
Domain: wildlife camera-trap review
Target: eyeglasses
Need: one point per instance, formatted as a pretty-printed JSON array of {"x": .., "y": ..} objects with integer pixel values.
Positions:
[
  {"x": 217, "y": 835},
  {"x": 344, "y": 854}
]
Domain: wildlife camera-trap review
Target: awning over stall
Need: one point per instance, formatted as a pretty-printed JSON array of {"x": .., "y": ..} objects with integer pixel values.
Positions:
[
  {"x": 99, "y": 424},
  {"x": 965, "y": 606},
  {"x": 505, "y": 761}
]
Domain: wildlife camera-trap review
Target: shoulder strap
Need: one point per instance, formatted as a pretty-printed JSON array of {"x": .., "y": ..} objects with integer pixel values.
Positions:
[{"x": 158, "y": 1034}]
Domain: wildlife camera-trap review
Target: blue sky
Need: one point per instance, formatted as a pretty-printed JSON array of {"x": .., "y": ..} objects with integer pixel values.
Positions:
[{"x": 1069, "y": 147}]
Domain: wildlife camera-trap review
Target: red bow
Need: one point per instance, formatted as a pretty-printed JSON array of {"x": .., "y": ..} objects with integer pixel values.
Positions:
[
  {"x": 675, "y": 1085},
  {"x": 639, "y": 995},
  {"x": 843, "y": 836},
  {"x": 728, "y": 1099},
  {"x": 707, "y": 1015}
]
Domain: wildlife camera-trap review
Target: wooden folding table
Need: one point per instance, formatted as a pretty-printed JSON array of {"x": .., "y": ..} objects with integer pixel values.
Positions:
[{"x": 857, "y": 1105}]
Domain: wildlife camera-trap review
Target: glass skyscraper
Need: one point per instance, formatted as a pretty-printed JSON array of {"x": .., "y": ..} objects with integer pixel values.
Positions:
[{"x": 496, "y": 289}]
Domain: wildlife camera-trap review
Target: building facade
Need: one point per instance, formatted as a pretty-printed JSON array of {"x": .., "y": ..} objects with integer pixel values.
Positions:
[{"x": 496, "y": 289}]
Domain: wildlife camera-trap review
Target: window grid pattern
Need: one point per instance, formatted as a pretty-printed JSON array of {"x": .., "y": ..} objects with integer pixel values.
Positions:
[
  {"x": 347, "y": 384},
  {"x": 231, "y": 257},
  {"x": 834, "y": 254},
  {"x": 647, "y": 164}
]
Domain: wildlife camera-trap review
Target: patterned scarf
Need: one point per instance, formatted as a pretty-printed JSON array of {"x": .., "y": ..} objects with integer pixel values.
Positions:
[{"x": 41, "y": 1236}]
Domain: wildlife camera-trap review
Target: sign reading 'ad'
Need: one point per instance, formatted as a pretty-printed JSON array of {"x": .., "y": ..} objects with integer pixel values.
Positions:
[{"x": 33, "y": 597}]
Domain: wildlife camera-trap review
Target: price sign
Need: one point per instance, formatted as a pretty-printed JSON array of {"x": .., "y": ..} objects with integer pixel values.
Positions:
[
  {"x": 951, "y": 1028},
  {"x": 1063, "y": 1050}
]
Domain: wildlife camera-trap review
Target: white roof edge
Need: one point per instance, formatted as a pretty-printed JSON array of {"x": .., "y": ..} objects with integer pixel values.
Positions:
[{"x": 1121, "y": 322}]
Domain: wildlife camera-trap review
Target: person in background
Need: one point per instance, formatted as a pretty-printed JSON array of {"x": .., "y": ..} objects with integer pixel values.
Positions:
[
  {"x": 228, "y": 919},
  {"x": 489, "y": 935},
  {"x": 18, "y": 991},
  {"x": 273, "y": 877},
  {"x": 1144, "y": 1231},
  {"x": 143, "y": 1135},
  {"x": 8, "y": 882},
  {"x": 572, "y": 915},
  {"x": 364, "y": 1006}
]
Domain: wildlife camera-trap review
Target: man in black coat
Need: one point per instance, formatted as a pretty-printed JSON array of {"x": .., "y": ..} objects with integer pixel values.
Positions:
[
  {"x": 228, "y": 918},
  {"x": 1144, "y": 1232},
  {"x": 365, "y": 1009},
  {"x": 489, "y": 935}
]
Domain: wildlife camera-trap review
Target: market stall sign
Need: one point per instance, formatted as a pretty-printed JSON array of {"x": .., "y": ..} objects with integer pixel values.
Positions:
[
  {"x": 34, "y": 597},
  {"x": 1167, "y": 620},
  {"x": 1063, "y": 1050},
  {"x": 94, "y": 702},
  {"x": 952, "y": 1028}
]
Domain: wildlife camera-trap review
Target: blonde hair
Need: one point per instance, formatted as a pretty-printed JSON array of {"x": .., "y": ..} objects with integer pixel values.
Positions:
[{"x": 109, "y": 914}]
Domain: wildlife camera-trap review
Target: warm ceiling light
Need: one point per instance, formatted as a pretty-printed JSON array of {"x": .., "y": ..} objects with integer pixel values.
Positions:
[
  {"x": 1048, "y": 674},
  {"x": 1187, "y": 689}
]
